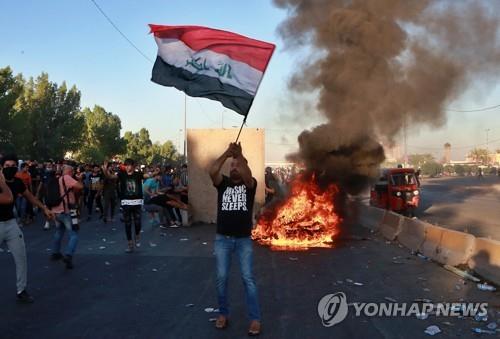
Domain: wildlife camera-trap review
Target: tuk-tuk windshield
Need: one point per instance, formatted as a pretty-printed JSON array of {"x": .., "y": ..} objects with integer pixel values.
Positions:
[{"x": 401, "y": 179}]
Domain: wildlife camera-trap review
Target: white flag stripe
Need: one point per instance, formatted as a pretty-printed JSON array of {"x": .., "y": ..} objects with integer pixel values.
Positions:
[{"x": 232, "y": 72}]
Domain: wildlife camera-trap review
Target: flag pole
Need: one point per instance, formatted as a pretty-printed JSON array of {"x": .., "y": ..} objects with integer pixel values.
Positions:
[{"x": 243, "y": 123}]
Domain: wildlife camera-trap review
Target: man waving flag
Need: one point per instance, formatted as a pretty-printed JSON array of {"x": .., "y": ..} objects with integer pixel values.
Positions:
[{"x": 211, "y": 63}]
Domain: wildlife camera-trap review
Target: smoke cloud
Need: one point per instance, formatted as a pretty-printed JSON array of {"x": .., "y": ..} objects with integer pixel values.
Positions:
[{"x": 378, "y": 65}]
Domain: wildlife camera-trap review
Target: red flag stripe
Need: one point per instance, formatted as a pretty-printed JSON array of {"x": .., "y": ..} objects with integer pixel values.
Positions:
[{"x": 238, "y": 47}]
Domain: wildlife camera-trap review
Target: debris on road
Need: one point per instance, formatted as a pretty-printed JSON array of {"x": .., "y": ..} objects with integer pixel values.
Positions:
[
  {"x": 481, "y": 331},
  {"x": 204, "y": 243},
  {"x": 486, "y": 287},
  {"x": 183, "y": 239},
  {"x": 358, "y": 284},
  {"x": 432, "y": 330},
  {"x": 422, "y": 316},
  {"x": 102, "y": 247},
  {"x": 107, "y": 263},
  {"x": 492, "y": 326},
  {"x": 212, "y": 320},
  {"x": 481, "y": 317},
  {"x": 209, "y": 309},
  {"x": 154, "y": 270},
  {"x": 189, "y": 305},
  {"x": 461, "y": 273}
]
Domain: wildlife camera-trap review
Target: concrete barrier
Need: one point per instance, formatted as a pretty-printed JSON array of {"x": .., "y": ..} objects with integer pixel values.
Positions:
[
  {"x": 371, "y": 217},
  {"x": 412, "y": 234},
  {"x": 391, "y": 225},
  {"x": 485, "y": 259},
  {"x": 430, "y": 246},
  {"x": 455, "y": 248}
]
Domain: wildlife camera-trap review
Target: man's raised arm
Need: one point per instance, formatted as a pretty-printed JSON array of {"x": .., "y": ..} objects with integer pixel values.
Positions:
[
  {"x": 214, "y": 170},
  {"x": 246, "y": 172}
]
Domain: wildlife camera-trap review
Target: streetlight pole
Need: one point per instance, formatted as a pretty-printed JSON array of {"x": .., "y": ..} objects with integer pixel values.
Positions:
[{"x": 185, "y": 130}]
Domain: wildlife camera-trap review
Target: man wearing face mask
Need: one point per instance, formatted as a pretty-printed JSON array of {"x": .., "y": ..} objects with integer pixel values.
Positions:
[
  {"x": 235, "y": 198},
  {"x": 9, "y": 229}
]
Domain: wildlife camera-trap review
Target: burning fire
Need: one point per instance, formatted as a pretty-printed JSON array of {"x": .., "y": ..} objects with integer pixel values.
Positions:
[{"x": 305, "y": 219}]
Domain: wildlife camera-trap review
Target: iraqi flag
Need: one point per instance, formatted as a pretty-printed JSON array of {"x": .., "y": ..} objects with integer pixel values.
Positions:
[{"x": 211, "y": 63}]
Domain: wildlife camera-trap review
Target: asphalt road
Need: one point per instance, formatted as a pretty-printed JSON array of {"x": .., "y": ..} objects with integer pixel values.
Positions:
[
  {"x": 463, "y": 203},
  {"x": 111, "y": 294}
]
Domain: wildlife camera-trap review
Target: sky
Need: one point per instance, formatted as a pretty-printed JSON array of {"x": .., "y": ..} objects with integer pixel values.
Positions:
[{"x": 73, "y": 42}]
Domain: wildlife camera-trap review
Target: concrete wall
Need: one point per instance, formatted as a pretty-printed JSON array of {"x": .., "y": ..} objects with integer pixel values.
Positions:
[{"x": 206, "y": 145}]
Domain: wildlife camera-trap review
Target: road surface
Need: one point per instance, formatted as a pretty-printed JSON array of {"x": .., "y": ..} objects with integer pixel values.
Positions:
[
  {"x": 147, "y": 294},
  {"x": 463, "y": 204}
]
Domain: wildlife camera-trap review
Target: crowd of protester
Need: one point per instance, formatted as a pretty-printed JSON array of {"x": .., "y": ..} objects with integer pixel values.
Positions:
[{"x": 99, "y": 196}]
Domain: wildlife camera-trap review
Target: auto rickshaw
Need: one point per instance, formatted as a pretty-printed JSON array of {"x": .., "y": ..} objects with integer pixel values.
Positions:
[{"x": 396, "y": 190}]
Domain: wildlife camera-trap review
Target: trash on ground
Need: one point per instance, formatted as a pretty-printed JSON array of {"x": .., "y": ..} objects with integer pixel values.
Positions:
[
  {"x": 107, "y": 263},
  {"x": 486, "y": 287},
  {"x": 492, "y": 326},
  {"x": 481, "y": 317},
  {"x": 212, "y": 319},
  {"x": 349, "y": 281},
  {"x": 432, "y": 330},
  {"x": 358, "y": 284},
  {"x": 209, "y": 309},
  {"x": 189, "y": 305},
  {"x": 154, "y": 270},
  {"x": 183, "y": 239},
  {"x": 461, "y": 273},
  {"x": 204, "y": 243},
  {"x": 104, "y": 239},
  {"x": 102, "y": 247},
  {"x": 422, "y": 316},
  {"x": 480, "y": 330}
]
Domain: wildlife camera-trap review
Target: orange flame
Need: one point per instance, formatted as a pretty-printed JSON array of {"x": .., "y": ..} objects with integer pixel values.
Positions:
[{"x": 305, "y": 219}]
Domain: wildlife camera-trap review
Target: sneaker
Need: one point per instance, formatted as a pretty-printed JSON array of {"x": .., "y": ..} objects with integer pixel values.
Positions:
[
  {"x": 56, "y": 256},
  {"x": 25, "y": 298},
  {"x": 68, "y": 260},
  {"x": 130, "y": 247},
  {"x": 178, "y": 223},
  {"x": 46, "y": 226},
  {"x": 255, "y": 328},
  {"x": 221, "y": 322}
]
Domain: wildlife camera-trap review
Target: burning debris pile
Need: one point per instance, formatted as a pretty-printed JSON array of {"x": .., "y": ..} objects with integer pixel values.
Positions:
[
  {"x": 376, "y": 66},
  {"x": 307, "y": 219}
]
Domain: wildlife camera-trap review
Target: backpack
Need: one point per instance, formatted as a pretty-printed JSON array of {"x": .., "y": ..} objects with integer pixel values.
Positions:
[{"x": 53, "y": 195}]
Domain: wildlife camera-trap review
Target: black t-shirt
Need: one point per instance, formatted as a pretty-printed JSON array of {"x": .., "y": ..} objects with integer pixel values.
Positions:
[
  {"x": 130, "y": 186},
  {"x": 17, "y": 188},
  {"x": 234, "y": 208}
]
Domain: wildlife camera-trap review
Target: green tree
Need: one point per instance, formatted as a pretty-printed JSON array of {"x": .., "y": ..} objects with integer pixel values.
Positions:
[
  {"x": 460, "y": 170},
  {"x": 164, "y": 153},
  {"x": 418, "y": 160},
  {"x": 11, "y": 88},
  {"x": 101, "y": 136},
  {"x": 51, "y": 120},
  {"x": 479, "y": 155},
  {"x": 448, "y": 169},
  {"x": 138, "y": 146},
  {"x": 432, "y": 168}
]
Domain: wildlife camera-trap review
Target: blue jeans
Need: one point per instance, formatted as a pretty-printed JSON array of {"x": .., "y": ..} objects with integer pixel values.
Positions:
[
  {"x": 21, "y": 204},
  {"x": 224, "y": 248},
  {"x": 63, "y": 223}
]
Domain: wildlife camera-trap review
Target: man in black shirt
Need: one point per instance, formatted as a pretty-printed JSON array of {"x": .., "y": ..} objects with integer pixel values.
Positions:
[
  {"x": 9, "y": 229},
  {"x": 235, "y": 198},
  {"x": 130, "y": 193}
]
